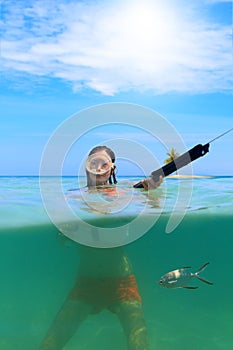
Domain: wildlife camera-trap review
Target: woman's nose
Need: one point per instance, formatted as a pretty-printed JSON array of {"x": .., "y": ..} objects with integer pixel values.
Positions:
[{"x": 99, "y": 167}]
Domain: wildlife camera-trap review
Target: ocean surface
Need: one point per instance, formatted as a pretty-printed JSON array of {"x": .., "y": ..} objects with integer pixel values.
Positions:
[{"x": 39, "y": 266}]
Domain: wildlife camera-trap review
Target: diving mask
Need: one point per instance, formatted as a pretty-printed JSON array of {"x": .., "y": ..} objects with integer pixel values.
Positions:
[{"x": 98, "y": 164}]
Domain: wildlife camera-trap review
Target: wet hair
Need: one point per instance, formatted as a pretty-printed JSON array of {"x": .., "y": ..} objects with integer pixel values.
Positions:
[
  {"x": 112, "y": 177},
  {"x": 103, "y": 148}
]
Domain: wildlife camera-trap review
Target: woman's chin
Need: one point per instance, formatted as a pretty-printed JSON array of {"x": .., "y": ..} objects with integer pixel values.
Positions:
[{"x": 100, "y": 180}]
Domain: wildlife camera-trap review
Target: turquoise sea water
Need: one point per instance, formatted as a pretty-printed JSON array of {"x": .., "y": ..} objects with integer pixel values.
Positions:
[{"x": 38, "y": 268}]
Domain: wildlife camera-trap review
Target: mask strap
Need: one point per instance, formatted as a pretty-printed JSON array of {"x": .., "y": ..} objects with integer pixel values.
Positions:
[{"x": 112, "y": 177}]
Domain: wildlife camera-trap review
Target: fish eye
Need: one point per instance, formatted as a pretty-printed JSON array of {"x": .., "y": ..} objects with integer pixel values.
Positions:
[{"x": 160, "y": 281}]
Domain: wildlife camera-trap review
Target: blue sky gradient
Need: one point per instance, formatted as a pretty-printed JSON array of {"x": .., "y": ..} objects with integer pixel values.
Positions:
[{"x": 58, "y": 57}]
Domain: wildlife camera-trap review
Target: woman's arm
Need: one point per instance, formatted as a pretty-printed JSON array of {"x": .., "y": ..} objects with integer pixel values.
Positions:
[{"x": 150, "y": 184}]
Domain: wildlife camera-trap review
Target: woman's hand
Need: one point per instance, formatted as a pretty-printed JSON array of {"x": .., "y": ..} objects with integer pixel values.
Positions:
[{"x": 150, "y": 184}]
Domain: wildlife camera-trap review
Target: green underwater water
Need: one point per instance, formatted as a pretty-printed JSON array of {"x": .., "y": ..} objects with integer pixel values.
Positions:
[{"x": 38, "y": 269}]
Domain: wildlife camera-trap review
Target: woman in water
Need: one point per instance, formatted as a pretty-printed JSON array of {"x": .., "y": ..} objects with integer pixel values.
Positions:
[{"x": 105, "y": 276}]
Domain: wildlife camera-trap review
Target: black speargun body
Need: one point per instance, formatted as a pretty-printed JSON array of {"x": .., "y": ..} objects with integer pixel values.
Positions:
[{"x": 179, "y": 162}]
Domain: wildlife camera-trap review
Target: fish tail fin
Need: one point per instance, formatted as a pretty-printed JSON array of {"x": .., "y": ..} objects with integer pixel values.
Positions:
[
  {"x": 203, "y": 280},
  {"x": 201, "y": 268}
]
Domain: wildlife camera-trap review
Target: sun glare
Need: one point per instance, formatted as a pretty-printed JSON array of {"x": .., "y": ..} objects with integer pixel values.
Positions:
[{"x": 147, "y": 26}]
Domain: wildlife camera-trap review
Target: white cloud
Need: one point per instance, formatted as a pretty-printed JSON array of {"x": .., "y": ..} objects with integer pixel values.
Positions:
[{"x": 115, "y": 47}]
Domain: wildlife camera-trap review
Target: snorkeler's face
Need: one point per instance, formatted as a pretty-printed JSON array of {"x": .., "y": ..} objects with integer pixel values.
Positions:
[{"x": 98, "y": 167}]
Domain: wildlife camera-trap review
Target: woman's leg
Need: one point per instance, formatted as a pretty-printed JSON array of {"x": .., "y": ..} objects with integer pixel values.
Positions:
[
  {"x": 131, "y": 316},
  {"x": 69, "y": 318}
]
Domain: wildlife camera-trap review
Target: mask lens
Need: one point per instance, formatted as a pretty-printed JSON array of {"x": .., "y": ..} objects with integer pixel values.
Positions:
[{"x": 98, "y": 164}]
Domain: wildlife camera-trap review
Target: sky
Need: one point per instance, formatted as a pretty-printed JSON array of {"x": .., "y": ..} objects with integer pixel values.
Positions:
[{"x": 58, "y": 58}]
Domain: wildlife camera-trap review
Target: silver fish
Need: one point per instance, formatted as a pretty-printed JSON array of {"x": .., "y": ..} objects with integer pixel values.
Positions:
[{"x": 181, "y": 277}]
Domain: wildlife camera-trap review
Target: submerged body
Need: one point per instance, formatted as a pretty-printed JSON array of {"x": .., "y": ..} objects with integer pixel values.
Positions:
[
  {"x": 180, "y": 278},
  {"x": 105, "y": 281},
  {"x": 105, "y": 278}
]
